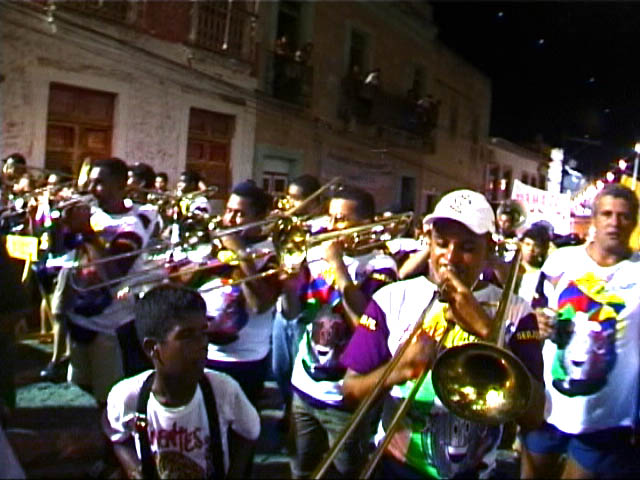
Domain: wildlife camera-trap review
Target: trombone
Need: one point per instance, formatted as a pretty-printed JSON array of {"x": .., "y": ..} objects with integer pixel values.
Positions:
[
  {"x": 464, "y": 379},
  {"x": 291, "y": 242}
]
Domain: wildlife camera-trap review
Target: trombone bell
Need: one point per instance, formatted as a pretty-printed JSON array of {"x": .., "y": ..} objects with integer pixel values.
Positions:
[{"x": 482, "y": 383}]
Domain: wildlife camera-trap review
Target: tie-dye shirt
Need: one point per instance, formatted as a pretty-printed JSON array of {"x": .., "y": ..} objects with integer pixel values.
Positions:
[
  {"x": 317, "y": 371},
  {"x": 431, "y": 439},
  {"x": 592, "y": 360}
]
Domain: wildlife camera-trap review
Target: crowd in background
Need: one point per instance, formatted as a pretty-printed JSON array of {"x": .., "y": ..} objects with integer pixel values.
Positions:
[{"x": 173, "y": 315}]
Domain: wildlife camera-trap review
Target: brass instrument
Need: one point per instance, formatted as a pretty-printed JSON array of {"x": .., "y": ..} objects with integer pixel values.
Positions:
[
  {"x": 291, "y": 242},
  {"x": 366, "y": 404},
  {"x": 480, "y": 381}
]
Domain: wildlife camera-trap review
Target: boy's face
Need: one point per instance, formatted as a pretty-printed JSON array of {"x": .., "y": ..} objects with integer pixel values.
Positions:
[{"x": 184, "y": 350}]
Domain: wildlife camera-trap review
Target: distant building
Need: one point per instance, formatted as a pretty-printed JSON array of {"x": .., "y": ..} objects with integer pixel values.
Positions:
[
  {"x": 246, "y": 89},
  {"x": 506, "y": 162},
  {"x": 378, "y": 101}
]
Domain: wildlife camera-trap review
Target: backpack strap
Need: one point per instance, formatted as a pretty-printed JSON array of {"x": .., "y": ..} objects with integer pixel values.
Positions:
[
  {"x": 215, "y": 438},
  {"x": 148, "y": 465}
]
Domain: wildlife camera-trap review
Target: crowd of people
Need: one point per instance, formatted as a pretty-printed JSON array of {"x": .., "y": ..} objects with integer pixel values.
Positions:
[{"x": 173, "y": 317}]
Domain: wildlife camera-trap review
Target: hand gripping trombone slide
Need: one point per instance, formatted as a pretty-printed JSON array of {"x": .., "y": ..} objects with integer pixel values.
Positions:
[{"x": 365, "y": 405}]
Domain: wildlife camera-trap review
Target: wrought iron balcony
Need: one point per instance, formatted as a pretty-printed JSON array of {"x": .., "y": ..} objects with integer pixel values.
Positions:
[
  {"x": 289, "y": 79},
  {"x": 368, "y": 104}
]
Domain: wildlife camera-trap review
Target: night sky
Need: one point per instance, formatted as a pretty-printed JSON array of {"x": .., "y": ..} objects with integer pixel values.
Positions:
[{"x": 566, "y": 70}]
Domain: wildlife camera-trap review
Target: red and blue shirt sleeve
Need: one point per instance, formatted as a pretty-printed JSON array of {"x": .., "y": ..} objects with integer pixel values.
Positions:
[{"x": 368, "y": 347}]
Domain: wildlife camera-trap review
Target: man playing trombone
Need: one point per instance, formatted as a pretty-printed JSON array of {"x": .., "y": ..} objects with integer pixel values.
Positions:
[
  {"x": 332, "y": 297},
  {"x": 241, "y": 315},
  {"x": 431, "y": 441},
  {"x": 108, "y": 229}
]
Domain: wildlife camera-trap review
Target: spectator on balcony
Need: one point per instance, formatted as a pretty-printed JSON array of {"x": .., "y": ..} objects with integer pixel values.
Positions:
[
  {"x": 282, "y": 46},
  {"x": 369, "y": 92},
  {"x": 303, "y": 55},
  {"x": 351, "y": 87}
]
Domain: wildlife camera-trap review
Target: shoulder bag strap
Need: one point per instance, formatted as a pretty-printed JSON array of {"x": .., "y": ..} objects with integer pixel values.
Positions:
[
  {"x": 148, "y": 466},
  {"x": 215, "y": 438}
]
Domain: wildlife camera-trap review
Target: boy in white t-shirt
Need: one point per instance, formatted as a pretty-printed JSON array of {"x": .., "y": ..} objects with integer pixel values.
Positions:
[{"x": 175, "y": 431}]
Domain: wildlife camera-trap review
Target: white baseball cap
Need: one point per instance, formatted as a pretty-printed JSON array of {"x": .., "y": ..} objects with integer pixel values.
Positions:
[{"x": 467, "y": 207}]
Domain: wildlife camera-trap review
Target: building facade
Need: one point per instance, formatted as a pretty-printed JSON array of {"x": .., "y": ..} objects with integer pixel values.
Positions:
[
  {"x": 363, "y": 90},
  {"x": 149, "y": 82},
  {"x": 246, "y": 89},
  {"x": 506, "y": 162}
]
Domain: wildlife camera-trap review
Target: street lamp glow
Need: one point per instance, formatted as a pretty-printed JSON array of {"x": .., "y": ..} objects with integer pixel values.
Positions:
[
  {"x": 599, "y": 184},
  {"x": 622, "y": 164},
  {"x": 637, "y": 148},
  {"x": 557, "y": 154},
  {"x": 610, "y": 177}
]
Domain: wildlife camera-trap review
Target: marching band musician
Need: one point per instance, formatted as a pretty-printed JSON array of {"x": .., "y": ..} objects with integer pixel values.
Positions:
[
  {"x": 332, "y": 296},
  {"x": 161, "y": 182},
  {"x": 13, "y": 168},
  {"x": 287, "y": 332},
  {"x": 240, "y": 316},
  {"x": 140, "y": 181},
  {"x": 109, "y": 229},
  {"x": 139, "y": 185},
  {"x": 189, "y": 182},
  {"x": 506, "y": 237},
  {"x": 434, "y": 443}
]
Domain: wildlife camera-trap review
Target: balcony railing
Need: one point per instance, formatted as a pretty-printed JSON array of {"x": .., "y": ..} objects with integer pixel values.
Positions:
[
  {"x": 289, "y": 80},
  {"x": 368, "y": 104},
  {"x": 117, "y": 11},
  {"x": 226, "y": 27}
]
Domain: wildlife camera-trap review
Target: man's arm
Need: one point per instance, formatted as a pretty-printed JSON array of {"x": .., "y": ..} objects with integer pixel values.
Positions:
[
  {"x": 260, "y": 294},
  {"x": 241, "y": 452},
  {"x": 526, "y": 345},
  {"x": 419, "y": 357}
]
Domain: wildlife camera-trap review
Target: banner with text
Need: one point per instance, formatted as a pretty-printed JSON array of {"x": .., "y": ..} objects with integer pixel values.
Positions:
[{"x": 551, "y": 207}]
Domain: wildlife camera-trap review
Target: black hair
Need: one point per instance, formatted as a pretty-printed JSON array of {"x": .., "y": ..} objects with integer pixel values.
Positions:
[
  {"x": 260, "y": 201},
  {"x": 17, "y": 158},
  {"x": 365, "y": 204},
  {"x": 307, "y": 183},
  {"x": 144, "y": 174},
  {"x": 115, "y": 167},
  {"x": 164, "y": 307},
  {"x": 163, "y": 175},
  {"x": 617, "y": 190},
  {"x": 539, "y": 234},
  {"x": 190, "y": 177}
]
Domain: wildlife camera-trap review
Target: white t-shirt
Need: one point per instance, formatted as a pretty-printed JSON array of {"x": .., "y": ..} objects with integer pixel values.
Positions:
[
  {"x": 591, "y": 376},
  {"x": 109, "y": 226},
  {"x": 179, "y": 437},
  {"x": 227, "y": 306},
  {"x": 314, "y": 354}
]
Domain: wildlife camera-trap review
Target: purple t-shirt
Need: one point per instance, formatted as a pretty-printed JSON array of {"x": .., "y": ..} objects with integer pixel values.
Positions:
[
  {"x": 369, "y": 346},
  {"x": 388, "y": 321}
]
